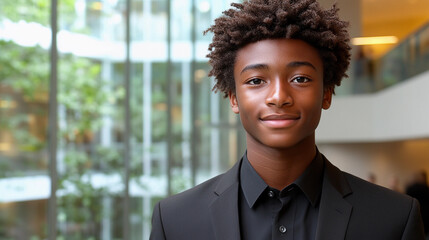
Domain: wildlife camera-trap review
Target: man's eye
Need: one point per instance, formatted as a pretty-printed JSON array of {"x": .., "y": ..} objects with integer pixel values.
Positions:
[
  {"x": 255, "y": 81},
  {"x": 301, "y": 80}
]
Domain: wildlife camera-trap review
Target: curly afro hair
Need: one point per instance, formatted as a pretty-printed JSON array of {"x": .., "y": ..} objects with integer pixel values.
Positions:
[{"x": 256, "y": 20}]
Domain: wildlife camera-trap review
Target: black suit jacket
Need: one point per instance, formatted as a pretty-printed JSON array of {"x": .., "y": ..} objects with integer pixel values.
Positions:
[{"x": 350, "y": 208}]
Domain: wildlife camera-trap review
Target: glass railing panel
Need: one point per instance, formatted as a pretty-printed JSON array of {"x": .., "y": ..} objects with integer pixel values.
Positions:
[{"x": 409, "y": 58}]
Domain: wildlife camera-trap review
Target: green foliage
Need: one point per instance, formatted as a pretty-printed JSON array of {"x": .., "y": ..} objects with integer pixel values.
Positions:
[
  {"x": 79, "y": 92},
  {"x": 31, "y": 10},
  {"x": 24, "y": 75},
  {"x": 35, "y": 10},
  {"x": 78, "y": 205},
  {"x": 86, "y": 98},
  {"x": 107, "y": 160},
  {"x": 25, "y": 69}
]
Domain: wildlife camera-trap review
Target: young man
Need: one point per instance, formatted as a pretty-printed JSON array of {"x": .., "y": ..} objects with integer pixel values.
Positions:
[{"x": 278, "y": 61}]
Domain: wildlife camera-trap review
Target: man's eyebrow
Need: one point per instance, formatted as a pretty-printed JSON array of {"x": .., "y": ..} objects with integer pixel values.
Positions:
[
  {"x": 265, "y": 66},
  {"x": 299, "y": 64},
  {"x": 255, "y": 66}
]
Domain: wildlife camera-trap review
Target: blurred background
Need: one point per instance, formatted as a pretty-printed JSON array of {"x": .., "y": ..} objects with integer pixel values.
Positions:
[{"x": 114, "y": 111}]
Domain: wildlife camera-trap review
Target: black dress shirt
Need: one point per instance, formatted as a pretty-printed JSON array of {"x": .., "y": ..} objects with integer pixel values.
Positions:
[{"x": 267, "y": 213}]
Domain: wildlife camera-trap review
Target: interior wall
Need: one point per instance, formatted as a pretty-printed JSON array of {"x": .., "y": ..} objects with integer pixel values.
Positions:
[
  {"x": 388, "y": 161},
  {"x": 399, "y": 112},
  {"x": 350, "y": 11}
]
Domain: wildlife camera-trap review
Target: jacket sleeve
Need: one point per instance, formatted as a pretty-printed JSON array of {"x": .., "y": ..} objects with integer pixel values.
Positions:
[
  {"x": 414, "y": 227},
  {"x": 157, "y": 232}
]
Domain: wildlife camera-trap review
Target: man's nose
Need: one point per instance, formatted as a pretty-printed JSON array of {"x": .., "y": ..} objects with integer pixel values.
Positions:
[{"x": 279, "y": 93}]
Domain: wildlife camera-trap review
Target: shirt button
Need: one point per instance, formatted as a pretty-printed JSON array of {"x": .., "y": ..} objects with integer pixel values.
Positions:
[
  {"x": 270, "y": 194},
  {"x": 282, "y": 229}
]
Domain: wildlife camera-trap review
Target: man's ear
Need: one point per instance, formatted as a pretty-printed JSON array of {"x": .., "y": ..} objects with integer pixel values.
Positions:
[
  {"x": 327, "y": 97},
  {"x": 233, "y": 101}
]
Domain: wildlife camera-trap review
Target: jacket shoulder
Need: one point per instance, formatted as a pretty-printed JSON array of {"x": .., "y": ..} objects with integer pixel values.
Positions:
[
  {"x": 185, "y": 215},
  {"x": 378, "y": 210},
  {"x": 359, "y": 191},
  {"x": 201, "y": 193},
  {"x": 373, "y": 193}
]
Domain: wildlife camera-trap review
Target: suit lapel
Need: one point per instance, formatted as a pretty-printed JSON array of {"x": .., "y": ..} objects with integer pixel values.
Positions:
[
  {"x": 224, "y": 209},
  {"x": 334, "y": 211}
]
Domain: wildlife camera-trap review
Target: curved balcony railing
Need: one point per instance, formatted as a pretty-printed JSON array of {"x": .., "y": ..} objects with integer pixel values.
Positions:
[{"x": 409, "y": 58}]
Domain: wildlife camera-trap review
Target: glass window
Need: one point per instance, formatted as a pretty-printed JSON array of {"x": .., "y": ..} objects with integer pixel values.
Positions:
[
  {"x": 24, "y": 81},
  {"x": 91, "y": 120},
  {"x": 177, "y": 124}
]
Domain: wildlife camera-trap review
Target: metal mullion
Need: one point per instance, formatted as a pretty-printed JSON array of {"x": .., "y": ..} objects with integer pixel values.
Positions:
[
  {"x": 194, "y": 108},
  {"x": 127, "y": 147},
  {"x": 170, "y": 141},
  {"x": 53, "y": 123}
]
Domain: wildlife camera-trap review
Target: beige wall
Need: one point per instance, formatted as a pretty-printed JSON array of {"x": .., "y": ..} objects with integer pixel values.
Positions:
[
  {"x": 399, "y": 112},
  {"x": 349, "y": 11},
  {"x": 387, "y": 160}
]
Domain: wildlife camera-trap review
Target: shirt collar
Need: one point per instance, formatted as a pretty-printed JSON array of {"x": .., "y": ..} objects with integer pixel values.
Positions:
[
  {"x": 310, "y": 182},
  {"x": 252, "y": 184}
]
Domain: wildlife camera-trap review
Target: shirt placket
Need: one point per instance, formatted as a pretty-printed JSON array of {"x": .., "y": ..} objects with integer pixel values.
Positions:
[{"x": 283, "y": 216}]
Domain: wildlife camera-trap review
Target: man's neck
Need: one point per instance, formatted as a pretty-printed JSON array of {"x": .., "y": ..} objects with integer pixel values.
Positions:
[{"x": 281, "y": 167}]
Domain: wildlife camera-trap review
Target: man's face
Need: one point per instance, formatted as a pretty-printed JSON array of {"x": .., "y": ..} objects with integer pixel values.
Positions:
[{"x": 279, "y": 92}]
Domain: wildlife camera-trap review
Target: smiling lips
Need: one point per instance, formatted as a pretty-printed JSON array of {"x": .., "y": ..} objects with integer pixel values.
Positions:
[{"x": 279, "y": 120}]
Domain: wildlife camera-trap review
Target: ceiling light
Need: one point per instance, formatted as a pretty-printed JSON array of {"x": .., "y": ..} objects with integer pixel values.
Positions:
[{"x": 374, "y": 40}]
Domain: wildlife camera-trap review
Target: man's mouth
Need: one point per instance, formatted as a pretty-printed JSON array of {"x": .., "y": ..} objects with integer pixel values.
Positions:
[{"x": 279, "y": 120}]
